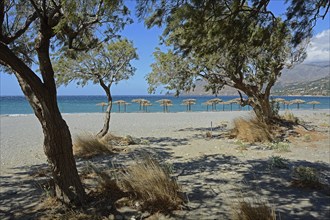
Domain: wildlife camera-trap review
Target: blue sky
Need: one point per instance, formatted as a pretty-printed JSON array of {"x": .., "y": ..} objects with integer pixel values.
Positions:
[{"x": 145, "y": 40}]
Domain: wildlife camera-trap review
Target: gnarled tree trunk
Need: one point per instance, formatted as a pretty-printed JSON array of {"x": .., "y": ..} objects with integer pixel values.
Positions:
[
  {"x": 106, "y": 124},
  {"x": 260, "y": 105},
  {"x": 57, "y": 138}
]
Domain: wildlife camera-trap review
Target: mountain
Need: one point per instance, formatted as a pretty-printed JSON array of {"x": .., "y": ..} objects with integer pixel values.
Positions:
[
  {"x": 303, "y": 79},
  {"x": 320, "y": 87},
  {"x": 303, "y": 73}
]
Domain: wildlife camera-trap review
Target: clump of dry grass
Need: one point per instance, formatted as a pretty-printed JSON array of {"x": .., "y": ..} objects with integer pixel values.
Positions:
[
  {"x": 304, "y": 176},
  {"x": 152, "y": 186},
  {"x": 86, "y": 146},
  {"x": 208, "y": 134},
  {"x": 289, "y": 116},
  {"x": 251, "y": 130},
  {"x": 114, "y": 140},
  {"x": 253, "y": 210}
]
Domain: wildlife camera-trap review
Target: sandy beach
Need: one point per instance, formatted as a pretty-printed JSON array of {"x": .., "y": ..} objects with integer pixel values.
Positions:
[{"x": 213, "y": 172}]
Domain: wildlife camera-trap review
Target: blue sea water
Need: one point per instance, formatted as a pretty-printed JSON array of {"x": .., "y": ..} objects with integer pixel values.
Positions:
[{"x": 11, "y": 105}]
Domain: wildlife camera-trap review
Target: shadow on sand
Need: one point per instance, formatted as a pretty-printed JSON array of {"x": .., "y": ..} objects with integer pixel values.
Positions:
[{"x": 212, "y": 183}]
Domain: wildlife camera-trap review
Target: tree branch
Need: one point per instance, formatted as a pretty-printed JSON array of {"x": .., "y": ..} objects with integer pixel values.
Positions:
[
  {"x": 28, "y": 22},
  {"x": 17, "y": 65}
]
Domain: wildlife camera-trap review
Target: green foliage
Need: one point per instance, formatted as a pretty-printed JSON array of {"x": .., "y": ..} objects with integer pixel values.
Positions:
[
  {"x": 280, "y": 147},
  {"x": 210, "y": 42},
  {"x": 304, "y": 176},
  {"x": 110, "y": 63},
  {"x": 277, "y": 162},
  {"x": 72, "y": 25}
]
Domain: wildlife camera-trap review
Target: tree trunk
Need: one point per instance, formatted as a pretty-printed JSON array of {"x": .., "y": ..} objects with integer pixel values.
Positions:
[
  {"x": 57, "y": 137},
  {"x": 58, "y": 149},
  {"x": 262, "y": 108},
  {"x": 107, "y": 116}
]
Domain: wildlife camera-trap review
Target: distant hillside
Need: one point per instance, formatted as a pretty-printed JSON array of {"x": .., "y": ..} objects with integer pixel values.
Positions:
[
  {"x": 303, "y": 79},
  {"x": 320, "y": 87},
  {"x": 304, "y": 73}
]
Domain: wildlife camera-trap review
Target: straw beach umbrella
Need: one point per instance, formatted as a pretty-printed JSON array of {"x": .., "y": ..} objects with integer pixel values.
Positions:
[
  {"x": 280, "y": 100},
  {"x": 139, "y": 101},
  {"x": 313, "y": 103},
  {"x": 223, "y": 105},
  {"x": 145, "y": 104},
  {"x": 165, "y": 103},
  {"x": 207, "y": 103},
  {"x": 214, "y": 103},
  {"x": 188, "y": 103},
  {"x": 102, "y": 104},
  {"x": 231, "y": 102},
  {"x": 125, "y": 105},
  {"x": 298, "y": 102},
  {"x": 286, "y": 103},
  {"x": 119, "y": 103}
]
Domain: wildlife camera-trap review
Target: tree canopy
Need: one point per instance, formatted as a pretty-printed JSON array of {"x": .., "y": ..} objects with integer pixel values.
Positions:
[
  {"x": 236, "y": 43},
  {"x": 106, "y": 64},
  {"x": 110, "y": 63}
]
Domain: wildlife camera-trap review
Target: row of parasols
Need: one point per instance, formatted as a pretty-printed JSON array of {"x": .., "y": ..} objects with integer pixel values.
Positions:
[{"x": 210, "y": 104}]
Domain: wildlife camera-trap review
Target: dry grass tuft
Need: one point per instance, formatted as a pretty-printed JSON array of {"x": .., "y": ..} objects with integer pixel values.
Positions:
[
  {"x": 251, "y": 130},
  {"x": 114, "y": 140},
  {"x": 253, "y": 210},
  {"x": 86, "y": 146},
  {"x": 289, "y": 116},
  {"x": 152, "y": 186}
]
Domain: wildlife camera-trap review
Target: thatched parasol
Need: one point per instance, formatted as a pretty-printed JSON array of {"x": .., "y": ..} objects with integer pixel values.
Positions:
[
  {"x": 214, "y": 103},
  {"x": 125, "y": 105},
  {"x": 188, "y": 103},
  {"x": 286, "y": 103},
  {"x": 280, "y": 100},
  {"x": 223, "y": 105},
  {"x": 119, "y": 103},
  {"x": 231, "y": 102},
  {"x": 298, "y": 102},
  {"x": 313, "y": 103},
  {"x": 145, "y": 104},
  {"x": 102, "y": 104},
  {"x": 165, "y": 103},
  {"x": 140, "y": 101},
  {"x": 207, "y": 103}
]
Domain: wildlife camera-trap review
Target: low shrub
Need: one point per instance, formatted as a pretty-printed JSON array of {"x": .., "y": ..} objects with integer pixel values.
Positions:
[
  {"x": 152, "y": 186},
  {"x": 277, "y": 162},
  {"x": 253, "y": 210},
  {"x": 251, "y": 130},
  {"x": 280, "y": 147},
  {"x": 304, "y": 176}
]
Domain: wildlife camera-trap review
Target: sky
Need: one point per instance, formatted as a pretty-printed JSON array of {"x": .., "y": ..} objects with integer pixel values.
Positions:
[{"x": 146, "y": 40}]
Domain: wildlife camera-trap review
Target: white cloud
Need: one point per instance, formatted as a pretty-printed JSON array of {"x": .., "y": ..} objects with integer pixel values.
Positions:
[{"x": 319, "y": 48}]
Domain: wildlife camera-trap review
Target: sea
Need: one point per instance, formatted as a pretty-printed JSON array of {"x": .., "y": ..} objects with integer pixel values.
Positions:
[{"x": 18, "y": 105}]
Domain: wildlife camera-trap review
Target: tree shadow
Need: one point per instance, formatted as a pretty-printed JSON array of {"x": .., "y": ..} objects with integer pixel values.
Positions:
[
  {"x": 290, "y": 202},
  {"x": 201, "y": 132},
  {"x": 21, "y": 192},
  {"x": 211, "y": 184},
  {"x": 167, "y": 141}
]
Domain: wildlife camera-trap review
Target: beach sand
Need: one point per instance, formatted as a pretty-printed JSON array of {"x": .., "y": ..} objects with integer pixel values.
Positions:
[{"x": 214, "y": 172}]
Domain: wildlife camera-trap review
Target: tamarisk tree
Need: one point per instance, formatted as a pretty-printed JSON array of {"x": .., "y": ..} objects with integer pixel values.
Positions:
[
  {"x": 30, "y": 31},
  {"x": 225, "y": 43},
  {"x": 105, "y": 65}
]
